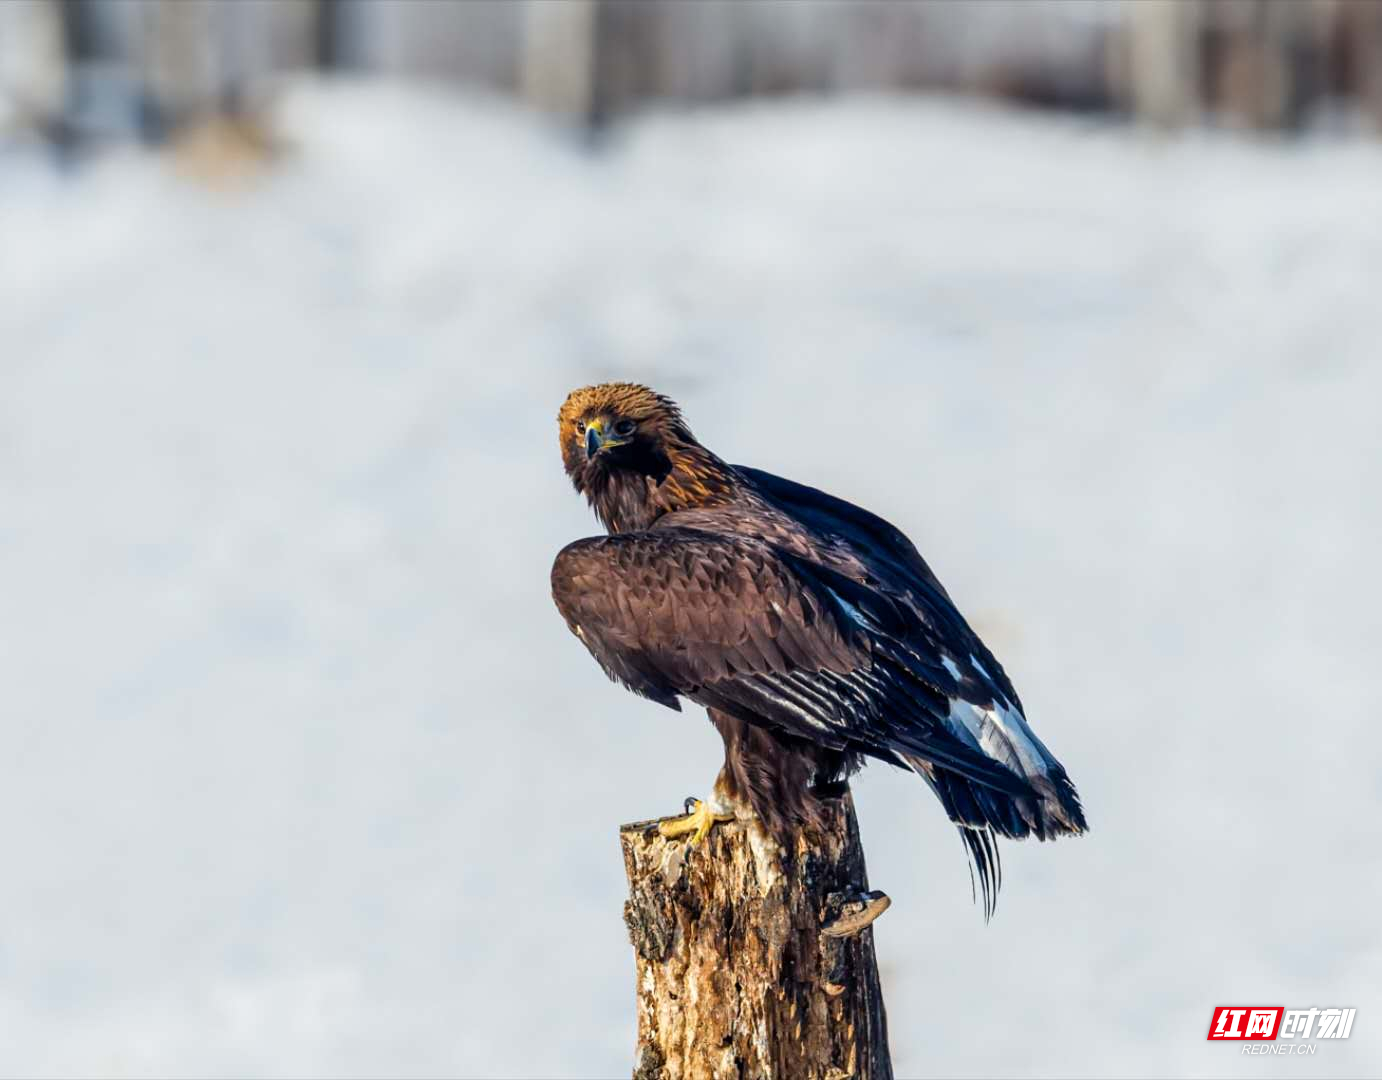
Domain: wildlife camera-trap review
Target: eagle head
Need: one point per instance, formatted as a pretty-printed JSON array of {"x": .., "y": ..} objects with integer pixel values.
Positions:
[{"x": 627, "y": 449}]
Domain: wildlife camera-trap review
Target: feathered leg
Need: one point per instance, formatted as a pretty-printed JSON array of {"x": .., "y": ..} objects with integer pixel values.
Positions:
[
  {"x": 778, "y": 779},
  {"x": 729, "y": 797},
  {"x": 768, "y": 776}
]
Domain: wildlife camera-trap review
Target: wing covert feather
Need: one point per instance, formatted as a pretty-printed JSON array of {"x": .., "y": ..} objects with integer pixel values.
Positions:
[
  {"x": 734, "y": 623},
  {"x": 696, "y": 607}
]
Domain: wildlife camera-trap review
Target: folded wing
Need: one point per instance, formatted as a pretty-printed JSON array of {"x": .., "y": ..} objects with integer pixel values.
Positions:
[{"x": 733, "y": 623}]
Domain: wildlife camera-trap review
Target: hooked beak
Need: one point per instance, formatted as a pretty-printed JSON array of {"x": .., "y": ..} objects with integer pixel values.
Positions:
[{"x": 596, "y": 439}]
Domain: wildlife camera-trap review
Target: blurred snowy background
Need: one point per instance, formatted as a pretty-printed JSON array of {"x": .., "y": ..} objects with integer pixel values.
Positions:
[{"x": 302, "y": 773}]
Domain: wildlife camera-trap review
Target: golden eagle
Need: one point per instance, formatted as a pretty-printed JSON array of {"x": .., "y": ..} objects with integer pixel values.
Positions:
[{"x": 811, "y": 630}]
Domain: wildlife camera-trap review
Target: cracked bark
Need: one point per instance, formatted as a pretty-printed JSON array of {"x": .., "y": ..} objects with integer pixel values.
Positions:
[{"x": 753, "y": 961}]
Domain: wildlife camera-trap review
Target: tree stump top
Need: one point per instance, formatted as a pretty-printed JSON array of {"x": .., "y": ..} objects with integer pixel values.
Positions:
[{"x": 755, "y": 960}]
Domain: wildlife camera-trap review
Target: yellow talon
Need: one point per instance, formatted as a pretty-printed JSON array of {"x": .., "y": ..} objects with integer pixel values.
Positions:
[{"x": 699, "y": 823}]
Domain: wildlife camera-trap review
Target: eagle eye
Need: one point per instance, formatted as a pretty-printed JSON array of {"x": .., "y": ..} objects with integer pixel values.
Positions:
[
  {"x": 624, "y": 428},
  {"x": 580, "y": 427}
]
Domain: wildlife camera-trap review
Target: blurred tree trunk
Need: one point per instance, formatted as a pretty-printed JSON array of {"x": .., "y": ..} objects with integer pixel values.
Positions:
[
  {"x": 754, "y": 961},
  {"x": 1267, "y": 57},
  {"x": 557, "y": 71},
  {"x": 1357, "y": 47},
  {"x": 1163, "y": 67},
  {"x": 33, "y": 62},
  {"x": 178, "y": 60}
]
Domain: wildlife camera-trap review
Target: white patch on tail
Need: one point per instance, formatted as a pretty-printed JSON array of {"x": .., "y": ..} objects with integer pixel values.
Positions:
[{"x": 1002, "y": 734}]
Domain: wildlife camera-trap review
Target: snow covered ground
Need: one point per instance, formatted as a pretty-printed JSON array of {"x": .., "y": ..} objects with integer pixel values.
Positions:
[{"x": 303, "y": 775}]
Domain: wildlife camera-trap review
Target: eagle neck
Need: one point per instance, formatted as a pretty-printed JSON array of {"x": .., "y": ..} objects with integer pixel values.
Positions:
[
  {"x": 624, "y": 502},
  {"x": 688, "y": 477}
]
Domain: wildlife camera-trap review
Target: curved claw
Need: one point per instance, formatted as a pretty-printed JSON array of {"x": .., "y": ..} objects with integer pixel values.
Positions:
[{"x": 698, "y": 823}]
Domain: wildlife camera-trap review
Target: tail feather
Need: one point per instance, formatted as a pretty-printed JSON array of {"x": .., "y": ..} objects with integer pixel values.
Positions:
[
  {"x": 1001, "y": 774},
  {"x": 982, "y": 850},
  {"x": 1050, "y": 809}
]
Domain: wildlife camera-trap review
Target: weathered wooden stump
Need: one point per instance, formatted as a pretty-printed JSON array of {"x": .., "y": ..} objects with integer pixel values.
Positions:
[{"x": 754, "y": 961}]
